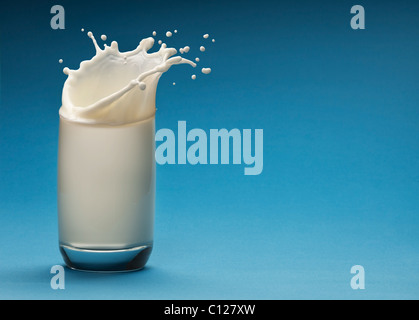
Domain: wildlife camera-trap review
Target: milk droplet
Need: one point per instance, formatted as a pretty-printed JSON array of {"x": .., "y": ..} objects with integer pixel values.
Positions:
[
  {"x": 60, "y": 61},
  {"x": 114, "y": 45},
  {"x": 142, "y": 85},
  {"x": 206, "y": 70},
  {"x": 193, "y": 77},
  {"x": 160, "y": 42},
  {"x": 168, "y": 34},
  {"x": 185, "y": 49},
  {"x": 213, "y": 40},
  {"x": 175, "y": 31},
  {"x": 103, "y": 37},
  {"x": 154, "y": 33},
  {"x": 66, "y": 71},
  {"x": 174, "y": 83},
  {"x": 82, "y": 29},
  {"x": 197, "y": 59},
  {"x": 205, "y": 36},
  {"x": 202, "y": 49}
]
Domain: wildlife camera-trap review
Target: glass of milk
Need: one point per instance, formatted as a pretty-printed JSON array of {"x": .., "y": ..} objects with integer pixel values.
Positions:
[
  {"x": 106, "y": 163},
  {"x": 106, "y": 194}
]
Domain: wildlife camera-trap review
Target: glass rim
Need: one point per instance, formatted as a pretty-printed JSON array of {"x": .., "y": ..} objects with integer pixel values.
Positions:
[{"x": 152, "y": 117}]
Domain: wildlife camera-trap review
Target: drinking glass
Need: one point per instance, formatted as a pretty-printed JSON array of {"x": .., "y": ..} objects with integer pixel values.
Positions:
[{"x": 106, "y": 195}]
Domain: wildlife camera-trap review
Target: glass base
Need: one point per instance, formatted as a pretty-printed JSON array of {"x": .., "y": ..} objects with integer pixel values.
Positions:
[{"x": 124, "y": 260}]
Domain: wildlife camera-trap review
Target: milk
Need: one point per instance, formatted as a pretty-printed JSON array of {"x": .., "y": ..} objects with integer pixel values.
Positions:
[
  {"x": 106, "y": 185},
  {"x": 106, "y": 163},
  {"x": 116, "y": 87}
]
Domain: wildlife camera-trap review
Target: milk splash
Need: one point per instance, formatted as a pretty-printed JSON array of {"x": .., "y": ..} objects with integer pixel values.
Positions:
[{"x": 114, "y": 87}]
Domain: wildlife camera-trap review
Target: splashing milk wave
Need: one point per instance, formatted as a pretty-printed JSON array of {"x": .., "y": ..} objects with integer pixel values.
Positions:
[{"x": 116, "y": 87}]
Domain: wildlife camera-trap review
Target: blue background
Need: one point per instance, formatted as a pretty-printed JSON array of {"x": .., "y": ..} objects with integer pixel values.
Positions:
[{"x": 340, "y": 114}]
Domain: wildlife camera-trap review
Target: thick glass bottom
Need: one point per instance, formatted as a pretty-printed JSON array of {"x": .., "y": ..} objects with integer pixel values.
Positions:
[{"x": 123, "y": 260}]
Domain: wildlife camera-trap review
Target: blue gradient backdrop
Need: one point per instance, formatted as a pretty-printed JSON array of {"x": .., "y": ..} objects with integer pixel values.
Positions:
[{"x": 340, "y": 114}]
